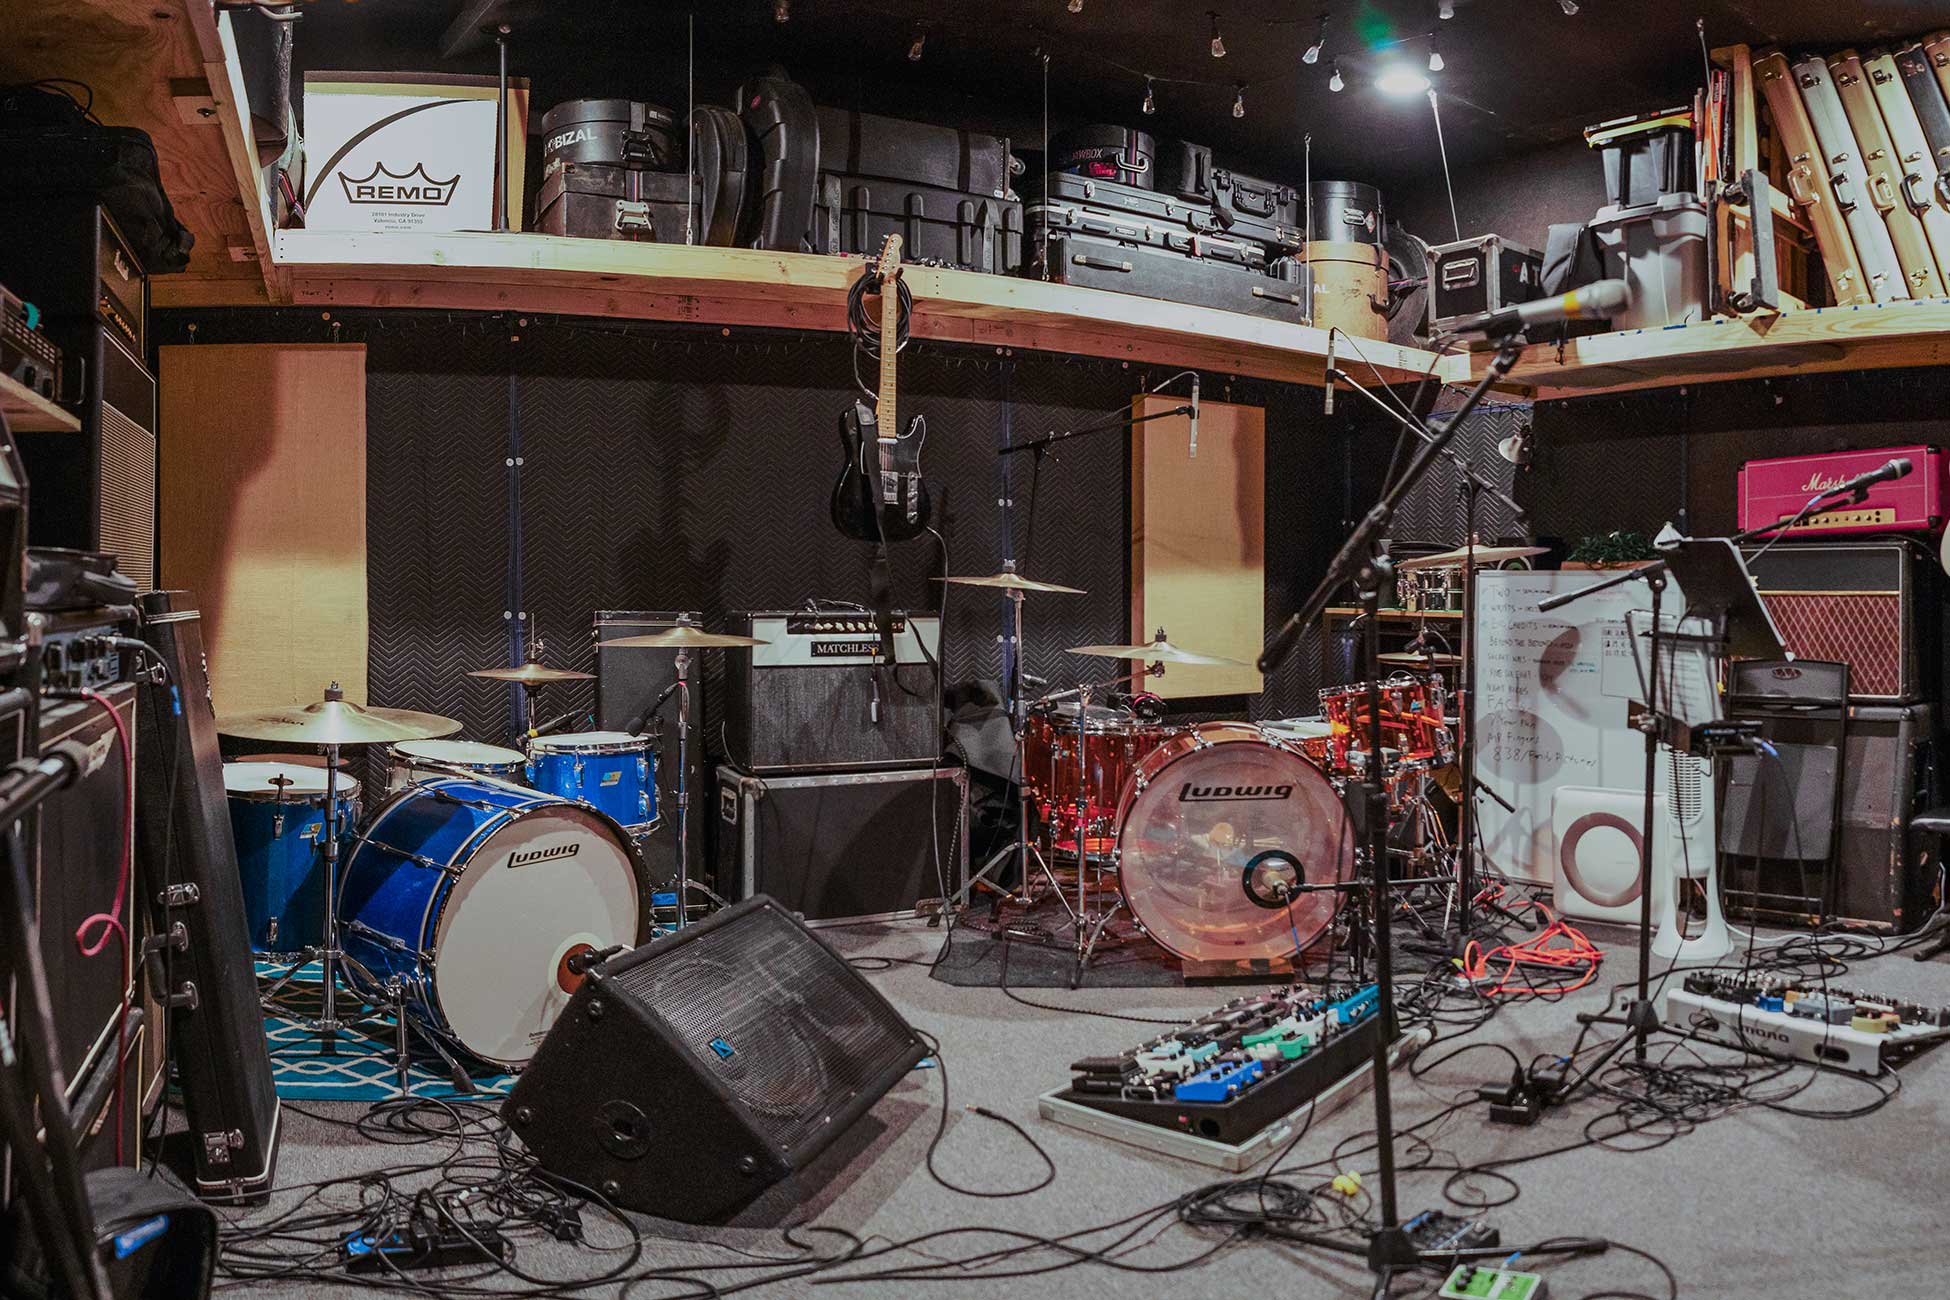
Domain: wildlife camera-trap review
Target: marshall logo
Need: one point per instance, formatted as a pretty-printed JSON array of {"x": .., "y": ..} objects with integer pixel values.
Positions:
[
  {"x": 1819, "y": 482},
  {"x": 1189, "y": 793},
  {"x": 844, "y": 649},
  {"x": 533, "y": 856},
  {"x": 384, "y": 185}
]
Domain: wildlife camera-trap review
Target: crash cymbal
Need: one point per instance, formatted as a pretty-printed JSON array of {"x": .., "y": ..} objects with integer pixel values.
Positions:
[
  {"x": 532, "y": 674},
  {"x": 1457, "y": 558},
  {"x": 1158, "y": 651},
  {"x": 1432, "y": 660},
  {"x": 1010, "y": 580},
  {"x": 684, "y": 636},
  {"x": 336, "y": 722}
]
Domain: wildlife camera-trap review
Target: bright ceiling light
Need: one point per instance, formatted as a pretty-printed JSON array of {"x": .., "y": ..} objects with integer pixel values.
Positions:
[{"x": 1401, "y": 81}]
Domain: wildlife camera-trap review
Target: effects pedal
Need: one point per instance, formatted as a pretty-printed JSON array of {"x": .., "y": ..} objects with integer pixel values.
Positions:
[
  {"x": 1471, "y": 1282},
  {"x": 416, "y": 1248},
  {"x": 1433, "y": 1232}
]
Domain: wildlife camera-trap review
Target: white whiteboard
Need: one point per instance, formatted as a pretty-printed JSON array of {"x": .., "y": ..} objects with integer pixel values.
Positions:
[{"x": 1553, "y": 696}]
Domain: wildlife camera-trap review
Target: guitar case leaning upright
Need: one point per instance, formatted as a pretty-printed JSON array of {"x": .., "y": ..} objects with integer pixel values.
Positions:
[
  {"x": 1929, "y": 200},
  {"x": 1906, "y": 222},
  {"x": 1808, "y": 183},
  {"x": 784, "y": 178},
  {"x": 1850, "y": 181}
]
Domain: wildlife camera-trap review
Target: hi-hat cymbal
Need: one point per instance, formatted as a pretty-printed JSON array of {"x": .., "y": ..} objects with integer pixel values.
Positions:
[
  {"x": 684, "y": 636},
  {"x": 1432, "y": 659},
  {"x": 532, "y": 674},
  {"x": 336, "y": 722},
  {"x": 1010, "y": 580},
  {"x": 1460, "y": 556},
  {"x": 1159, "y": 651}
]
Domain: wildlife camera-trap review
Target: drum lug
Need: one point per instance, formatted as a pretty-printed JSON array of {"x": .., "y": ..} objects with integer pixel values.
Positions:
[{"x": 576, "y": 767}]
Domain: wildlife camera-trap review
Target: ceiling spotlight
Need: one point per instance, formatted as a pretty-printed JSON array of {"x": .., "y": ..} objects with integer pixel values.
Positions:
[
  {"x": 1335, "y": 83},
  {"x": 1401, "y": 80},
  {"x": 1569, "y": 7},
  {"x": 1320, "y": 40},
  {"x": 1445, "y": 9},
  {"x": 781, "y": 11},
  {"x": 1150, "y": 104},
  {"x": 1218, "y": 41},
  {"x": 1076, "y": 6},
  {"x": 1435, "y": 56},
  {"x": 1239, "y": 101},
  {"x": 914, "y": 50}
]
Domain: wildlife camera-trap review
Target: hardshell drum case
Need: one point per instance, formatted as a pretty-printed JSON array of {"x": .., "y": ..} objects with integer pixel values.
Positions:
[
  {"x": 613, "y": 132},
  {"x": 1198, "y": 216},
  {"x": 1176, "y": 277},
  {"x": 592, "y": 201}
]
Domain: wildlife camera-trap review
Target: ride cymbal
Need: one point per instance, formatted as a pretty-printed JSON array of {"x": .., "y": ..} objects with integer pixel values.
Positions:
[
  {"x": 1158, "y": 651},
  {"x": 532, "y": 674},
  {"x": 1010, "y": 580}
]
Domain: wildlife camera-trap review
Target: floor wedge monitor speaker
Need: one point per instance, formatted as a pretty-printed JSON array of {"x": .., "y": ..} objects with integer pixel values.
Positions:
[{"x": 742, "y": 1042}]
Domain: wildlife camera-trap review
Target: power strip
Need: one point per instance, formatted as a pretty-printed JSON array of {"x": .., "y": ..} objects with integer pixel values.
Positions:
[{"x": 1472, "y": 1282}]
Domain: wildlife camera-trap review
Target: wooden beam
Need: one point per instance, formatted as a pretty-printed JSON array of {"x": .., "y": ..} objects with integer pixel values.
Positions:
[
  {"x": 28, "y": 412},
  {"x": 1883, "y": 336}
]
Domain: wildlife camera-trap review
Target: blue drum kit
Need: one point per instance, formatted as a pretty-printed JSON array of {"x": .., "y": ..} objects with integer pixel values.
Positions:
[{"x": 477, "y": 894}]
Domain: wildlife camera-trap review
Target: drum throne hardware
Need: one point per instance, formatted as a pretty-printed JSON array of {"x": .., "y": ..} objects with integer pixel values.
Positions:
[
  {"x": 331, "y": 724},
  {"x": 684, "y": 637},
  {"x": 1015, "y": 587}
]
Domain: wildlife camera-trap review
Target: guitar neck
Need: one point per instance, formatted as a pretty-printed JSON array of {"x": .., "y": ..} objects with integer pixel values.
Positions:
[{"x": 890, "y": 316}]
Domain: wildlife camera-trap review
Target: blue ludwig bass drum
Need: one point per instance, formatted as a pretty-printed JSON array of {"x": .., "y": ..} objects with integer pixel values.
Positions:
[
  {"x": 610, "y": 770},
  {"x": 475, "y": 895}
]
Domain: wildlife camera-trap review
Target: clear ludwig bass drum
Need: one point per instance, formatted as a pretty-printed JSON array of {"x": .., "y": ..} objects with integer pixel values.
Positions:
[{"x": 1218, "y": 830}]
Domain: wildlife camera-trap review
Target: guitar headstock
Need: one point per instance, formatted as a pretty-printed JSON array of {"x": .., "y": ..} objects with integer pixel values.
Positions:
[{"x": 888, "y": 265}]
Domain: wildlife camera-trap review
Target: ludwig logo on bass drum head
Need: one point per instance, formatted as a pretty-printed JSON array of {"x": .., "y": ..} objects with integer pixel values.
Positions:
[
  {"x": 533, "y": 856},
  {"x": 1189, "y": 793}
]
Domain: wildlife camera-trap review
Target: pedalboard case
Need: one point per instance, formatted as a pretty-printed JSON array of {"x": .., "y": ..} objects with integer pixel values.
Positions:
[
  {"x": 1096, "y": 263},
  {"x": 840, "y": 847}
]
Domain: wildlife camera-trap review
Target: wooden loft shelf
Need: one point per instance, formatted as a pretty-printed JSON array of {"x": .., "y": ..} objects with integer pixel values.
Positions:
[
  {"x": 479, "y": 271},
  {"x": 28, "y": 412},
  {"x": 1880, "y": 337}
]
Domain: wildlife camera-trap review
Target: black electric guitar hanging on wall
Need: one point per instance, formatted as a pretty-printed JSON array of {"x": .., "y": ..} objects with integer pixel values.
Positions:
[{"x": 880, "y": 495}]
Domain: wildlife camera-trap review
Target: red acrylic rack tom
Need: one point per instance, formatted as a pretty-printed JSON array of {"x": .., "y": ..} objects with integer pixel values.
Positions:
[{"x": 1772, "y": 490}]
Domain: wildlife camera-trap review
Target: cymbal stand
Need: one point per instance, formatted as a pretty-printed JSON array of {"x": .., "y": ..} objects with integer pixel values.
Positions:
[
  {"x": 1018, "y": 725},
  {"x": 682, "y": 666},
  {"x": 330, "y": 956}
]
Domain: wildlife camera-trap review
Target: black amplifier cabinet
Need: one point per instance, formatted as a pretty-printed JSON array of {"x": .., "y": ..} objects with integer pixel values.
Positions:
[
  {"x": 628, "y": 681},
  {"x": 816, "y": 696},
  {"x": 1889, "y": 772},
  {"x": 1874, "y": 605},
  {"x": 845, "y": 846},
  {"x": 95, "y": 490}
]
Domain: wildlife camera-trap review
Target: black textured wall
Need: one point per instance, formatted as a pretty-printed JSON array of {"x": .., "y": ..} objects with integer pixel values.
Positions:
[{"x": 561, "y": 466}]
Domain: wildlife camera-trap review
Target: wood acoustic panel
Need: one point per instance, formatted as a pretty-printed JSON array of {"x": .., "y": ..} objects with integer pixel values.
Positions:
[
  {"x": 1198, "y": 540},
  {"x": 263, "y": 514}
]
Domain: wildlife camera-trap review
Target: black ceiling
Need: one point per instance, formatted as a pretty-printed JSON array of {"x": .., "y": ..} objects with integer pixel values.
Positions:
[{"x": 1519, "y": 73}]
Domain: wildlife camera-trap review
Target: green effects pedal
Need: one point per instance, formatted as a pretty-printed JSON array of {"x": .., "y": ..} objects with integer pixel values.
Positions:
[{"x": 1469, "y": 1282}]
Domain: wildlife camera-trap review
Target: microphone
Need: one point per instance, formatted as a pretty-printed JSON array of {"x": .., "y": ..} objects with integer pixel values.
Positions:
[
  {"x": 1600, "y": 298},
  {"x": 1192, "y": 451},
  {"x": 554, "y": 724},
  {"x": 1327, "y": 406},
  {"x": 1893, "y": 468}
]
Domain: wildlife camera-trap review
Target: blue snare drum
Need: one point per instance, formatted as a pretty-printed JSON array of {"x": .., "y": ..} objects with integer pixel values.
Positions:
[
  {"x": 277, "y": 815},
  {"x": 475, "y": 895},
  {"x": 610, "y": 770}
]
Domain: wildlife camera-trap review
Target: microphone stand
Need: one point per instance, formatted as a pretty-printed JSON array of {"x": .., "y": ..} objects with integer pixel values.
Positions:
[
  {"x": 1390, "y": 1250},
  {"x": 1474, "y": 485}
]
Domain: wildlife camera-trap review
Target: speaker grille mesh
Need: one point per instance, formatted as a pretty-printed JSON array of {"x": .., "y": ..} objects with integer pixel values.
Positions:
[
  {"x": 128, "y": 522},
  {"x": 772, "y": 1014}
]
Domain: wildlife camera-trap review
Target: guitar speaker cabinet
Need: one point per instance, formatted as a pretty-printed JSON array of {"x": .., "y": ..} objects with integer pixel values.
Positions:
[
  {"x": 742, "y": 1043},
  {"x": 189, "y": 863},
  {"x": 1873, "y": 605}
]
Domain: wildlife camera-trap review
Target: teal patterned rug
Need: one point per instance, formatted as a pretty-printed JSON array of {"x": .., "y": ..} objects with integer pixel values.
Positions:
[{"x": 363, "y": 1067}]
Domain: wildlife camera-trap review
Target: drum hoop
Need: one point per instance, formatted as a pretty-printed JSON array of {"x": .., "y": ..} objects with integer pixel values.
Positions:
[
  {"x": 310, "y": 798},
  {"x": 540, "y": 745}
]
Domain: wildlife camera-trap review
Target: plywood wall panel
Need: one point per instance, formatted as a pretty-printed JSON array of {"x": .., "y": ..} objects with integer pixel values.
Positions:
[
  {"x": 263, "y": 514},
  {"x": 1198, "y": 540}
]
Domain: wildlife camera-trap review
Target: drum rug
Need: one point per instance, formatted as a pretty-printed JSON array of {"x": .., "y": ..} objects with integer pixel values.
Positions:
[
  {"x": 362, "y": 1069},
  {"x": 1033, "y": 948}
]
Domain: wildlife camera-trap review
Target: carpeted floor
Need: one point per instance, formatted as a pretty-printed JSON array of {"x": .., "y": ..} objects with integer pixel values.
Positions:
[{"x": 1757, "y": 1204}]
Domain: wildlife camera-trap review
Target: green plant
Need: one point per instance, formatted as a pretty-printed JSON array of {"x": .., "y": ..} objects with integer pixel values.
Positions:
[{"x": 1613, "y": 548}]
